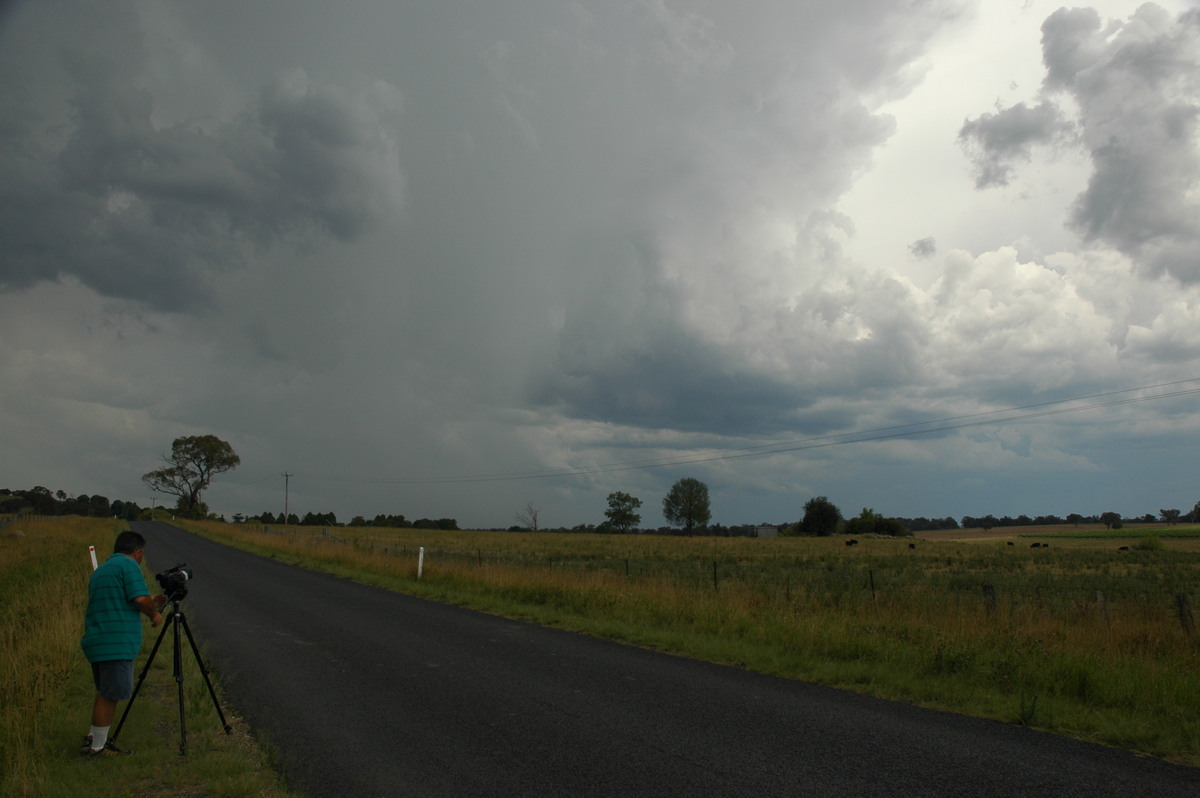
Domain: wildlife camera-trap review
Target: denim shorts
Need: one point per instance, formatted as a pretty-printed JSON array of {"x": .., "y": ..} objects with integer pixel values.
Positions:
[{"x": 114, "y": 679}]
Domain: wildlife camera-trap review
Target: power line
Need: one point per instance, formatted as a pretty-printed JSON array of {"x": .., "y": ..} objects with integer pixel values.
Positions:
[{"x": 933, "y": 426}]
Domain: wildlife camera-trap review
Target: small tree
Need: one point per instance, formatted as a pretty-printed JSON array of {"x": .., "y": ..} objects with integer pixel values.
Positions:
[
  {"x": 821, "y": 517},
  {"x": 622, "y": 512},
  {"x": 194, "y": 461},
  {"x": 686, "y": 504},
  {"x": 527, "y": 516}
]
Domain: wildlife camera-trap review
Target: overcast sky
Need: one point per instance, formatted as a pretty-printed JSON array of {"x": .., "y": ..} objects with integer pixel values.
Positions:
[{"x": 450, "y": 258}]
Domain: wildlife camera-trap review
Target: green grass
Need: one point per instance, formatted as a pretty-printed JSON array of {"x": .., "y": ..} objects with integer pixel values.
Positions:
[
  {"x": 46, "y": 689},
  {"x": 1080, "y": 639}
]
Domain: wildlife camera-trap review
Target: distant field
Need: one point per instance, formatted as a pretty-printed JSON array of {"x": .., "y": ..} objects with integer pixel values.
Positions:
[
  {"x": 1066, "y": 531},
  {"x": 1077, "y": 637}
]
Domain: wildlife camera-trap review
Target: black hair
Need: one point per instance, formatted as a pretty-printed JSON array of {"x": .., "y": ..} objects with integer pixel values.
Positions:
[{"x": 128, "y": 542}]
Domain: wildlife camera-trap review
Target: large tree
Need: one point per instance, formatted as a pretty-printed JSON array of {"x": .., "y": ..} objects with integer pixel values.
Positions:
[
  {"x": 687, "y": 504},
  {"x": 821, "y": 517},
  {"x": 194, "y": 461},
  {"x": 622, "y": 512}
]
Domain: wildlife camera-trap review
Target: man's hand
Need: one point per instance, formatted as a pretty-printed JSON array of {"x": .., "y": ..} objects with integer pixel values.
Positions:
[{"x": 149, "y": 606}]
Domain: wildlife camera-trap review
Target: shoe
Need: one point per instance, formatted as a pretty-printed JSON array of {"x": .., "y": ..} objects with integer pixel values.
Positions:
[{"x": 108, "y": 750}]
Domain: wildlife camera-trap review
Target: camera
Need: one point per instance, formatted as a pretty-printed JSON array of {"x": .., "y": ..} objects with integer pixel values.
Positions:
[{"x": 173, "y": 582}]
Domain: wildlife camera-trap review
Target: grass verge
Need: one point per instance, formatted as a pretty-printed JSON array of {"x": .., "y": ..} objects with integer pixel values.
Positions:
[{"x": 46, "y": 689}]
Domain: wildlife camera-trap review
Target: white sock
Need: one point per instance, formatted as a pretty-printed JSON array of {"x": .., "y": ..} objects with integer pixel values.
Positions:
[{"x": 99, "y": 737}]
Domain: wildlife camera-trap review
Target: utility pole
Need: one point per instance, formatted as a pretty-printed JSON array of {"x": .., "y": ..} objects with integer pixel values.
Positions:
[{"x": 286, "y": 479}]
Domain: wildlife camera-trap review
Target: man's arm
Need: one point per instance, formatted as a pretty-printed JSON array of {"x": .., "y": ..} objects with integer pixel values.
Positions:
[{"x": 149, "y": 606}]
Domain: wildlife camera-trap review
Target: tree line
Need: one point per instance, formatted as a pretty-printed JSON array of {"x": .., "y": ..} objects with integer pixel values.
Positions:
[
  {"x": 195, "y": 460},
  {"x": 822, "y": 517},
  {"x": 42, "y": 501},
  {"x": 686, "y": 506},
  {"x": 330, "y": 519}
]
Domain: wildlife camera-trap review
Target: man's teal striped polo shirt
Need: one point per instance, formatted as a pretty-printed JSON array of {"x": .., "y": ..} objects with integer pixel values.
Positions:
[{"x": 113, "y": 626}]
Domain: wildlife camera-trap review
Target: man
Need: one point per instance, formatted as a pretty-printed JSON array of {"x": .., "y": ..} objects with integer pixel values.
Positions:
[{"x": 112, "y": 637}]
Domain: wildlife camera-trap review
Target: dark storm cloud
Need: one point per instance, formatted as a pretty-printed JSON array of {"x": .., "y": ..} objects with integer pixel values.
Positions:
[
  {"x": 1069, "y": 44},
  {"x": 627, "y": 356},
  {"x": 995, "y": 141},
  {"x": 141, "y": 209},
  {"x": 715, "y": 300},
  {"x": 623, "y": 357},
  {"x": 1139, "y": 102},
  {"x": 672, "y": 380},
  {"x": 675, "y": 382},
  {"x": 1137, "y": 88},
  {"x": 923, "y": 248}
]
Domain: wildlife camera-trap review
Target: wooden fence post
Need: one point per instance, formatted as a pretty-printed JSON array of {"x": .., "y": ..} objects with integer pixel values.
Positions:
[
  {"x": 1184, "y": 607},
  {"x": 989, "y": 599}
]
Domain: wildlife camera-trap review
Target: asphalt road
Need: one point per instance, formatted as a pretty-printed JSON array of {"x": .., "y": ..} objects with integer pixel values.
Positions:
[{"x": 363, "y": 692}]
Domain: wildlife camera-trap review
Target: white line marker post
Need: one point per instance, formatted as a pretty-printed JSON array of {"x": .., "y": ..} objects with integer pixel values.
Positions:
[
  {"x": 420, "y": 561},
  {"x": 92, "y": 551}
]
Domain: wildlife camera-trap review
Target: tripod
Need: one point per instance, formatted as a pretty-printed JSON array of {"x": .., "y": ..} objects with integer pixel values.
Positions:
[{"x": 175, "y": 621}]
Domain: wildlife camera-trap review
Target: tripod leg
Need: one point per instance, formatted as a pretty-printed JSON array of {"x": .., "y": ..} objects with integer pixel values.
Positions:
[
  {"x": 112, "y": 738},
  {"x": 204, "y": 672},
  {"x": 176, "y": 619}
]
